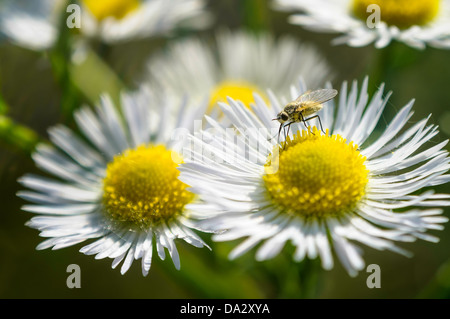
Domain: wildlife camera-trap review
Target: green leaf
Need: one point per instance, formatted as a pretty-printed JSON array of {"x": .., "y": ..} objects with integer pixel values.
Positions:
[
  {"x": 439, "y": 286},
  {"x": 93, "y": 77},
  {"x": 17, "y": 135}
]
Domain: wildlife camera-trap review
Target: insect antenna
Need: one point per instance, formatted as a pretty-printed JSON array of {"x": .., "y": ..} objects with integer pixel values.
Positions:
[{"x": 279, "y": 131}]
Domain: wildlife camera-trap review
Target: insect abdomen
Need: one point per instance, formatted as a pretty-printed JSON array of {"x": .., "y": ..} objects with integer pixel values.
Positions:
[{"x": 308, "y": 110}]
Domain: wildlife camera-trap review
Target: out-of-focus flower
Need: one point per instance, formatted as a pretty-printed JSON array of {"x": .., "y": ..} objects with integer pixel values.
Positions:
[
  {"x": 118, "y": 184},
  {"x": 36, "y": 24},
  {"x": 321, "y": 192},
  {"x": 121, "y": 20},
  {"x": 236, "y": 64},
  {"x": 31, "y": 24},
  {"x": 417, "y": 23}
]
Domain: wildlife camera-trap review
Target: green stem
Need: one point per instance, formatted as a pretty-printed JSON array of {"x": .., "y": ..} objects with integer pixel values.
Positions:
[
  {"x": 60, "y": 55},
  {"x": 390, "y": 61},
  {"x": 293, "y": 280},
  {"x": 256, "y": 15},
  {"x": 83, "y": 78},
  {"x": 208, "y": 276},
  {"x": 3, "y": 107},
  {"x": 379, "y": 70}
]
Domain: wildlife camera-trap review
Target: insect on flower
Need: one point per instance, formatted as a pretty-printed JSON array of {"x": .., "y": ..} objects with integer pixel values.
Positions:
[{"x": 305, "y": 105}]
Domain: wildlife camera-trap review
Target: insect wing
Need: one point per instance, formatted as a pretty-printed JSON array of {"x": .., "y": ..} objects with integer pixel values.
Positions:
[{"x": 316, "y": 97}]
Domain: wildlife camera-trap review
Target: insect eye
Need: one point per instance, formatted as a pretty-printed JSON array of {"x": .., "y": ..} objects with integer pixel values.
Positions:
[{"x": 284, "y": 117}]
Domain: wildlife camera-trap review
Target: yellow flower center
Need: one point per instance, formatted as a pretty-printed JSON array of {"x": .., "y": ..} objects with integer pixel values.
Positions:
[
  {"x": 318, "y": 176},
  {"x": 400, "y": 13},
  {"x": 141, "y": 187},
  {"x": 102, "y": 9},
  {"x": 239, "y": 90}
]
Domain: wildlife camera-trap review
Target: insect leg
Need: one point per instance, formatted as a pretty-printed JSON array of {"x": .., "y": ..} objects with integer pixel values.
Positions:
[
  {"x": 286, "y": 134},
  {"x": 289, "y": 126},
  {"x": 320, "y": 122},
  {"x": 304, "y": 121}
]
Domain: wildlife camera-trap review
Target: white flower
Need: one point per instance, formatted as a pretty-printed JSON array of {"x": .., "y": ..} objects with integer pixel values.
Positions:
[
  {"x": 236, "y": 64},
  {"x": 417, "y": 23},
  {"x": 322, "y": 192},
  {"x": 31, "y": 24},
  {"x": 118, "y": 183},
  {"x": 36, "y": 24},
  {"x": 119, "y": 20}
]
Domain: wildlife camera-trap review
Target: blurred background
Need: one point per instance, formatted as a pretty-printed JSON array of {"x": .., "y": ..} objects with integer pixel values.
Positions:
[{"x": 32, "y": 92}]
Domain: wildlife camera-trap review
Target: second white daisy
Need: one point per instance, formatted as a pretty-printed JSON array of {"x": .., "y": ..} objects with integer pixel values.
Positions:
[{"x": 321, "y": 192}]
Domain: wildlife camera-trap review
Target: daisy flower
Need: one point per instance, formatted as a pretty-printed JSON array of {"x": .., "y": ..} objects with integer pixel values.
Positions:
[
  {"x": 416, "y": 23},
  {"x": 31, "y": 24},
  {"x": 120, "y": 20},
  {"x": 236, "y": 64},
  {"x": 118, "y": 184},
  {"x": 324, "y": 193},
  {"x": 35, "y": 24}
]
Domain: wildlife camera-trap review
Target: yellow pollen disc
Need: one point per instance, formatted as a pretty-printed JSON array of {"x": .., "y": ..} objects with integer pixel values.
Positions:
[
  {"x": 241, "y": 91},
  {"x": 318, "y": 175},
  {"x": 400, "y": 13},
  {"x": 141, "y": 187},
  {"x": 102, "y": 9}
]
